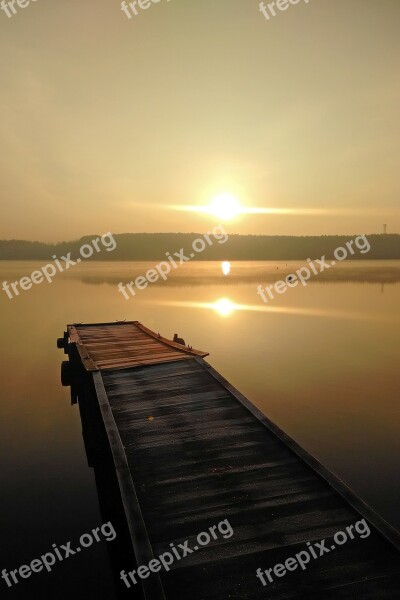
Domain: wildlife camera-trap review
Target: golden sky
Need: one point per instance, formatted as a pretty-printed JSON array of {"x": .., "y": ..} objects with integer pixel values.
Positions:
[{"x": 107, "y": 122}]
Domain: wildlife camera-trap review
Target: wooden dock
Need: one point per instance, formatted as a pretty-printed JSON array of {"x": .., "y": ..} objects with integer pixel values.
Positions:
[{"x": 190, "y": 451}]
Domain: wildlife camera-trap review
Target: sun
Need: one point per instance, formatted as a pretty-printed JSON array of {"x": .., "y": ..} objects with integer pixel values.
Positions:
[{"x": 225, "y": 207}]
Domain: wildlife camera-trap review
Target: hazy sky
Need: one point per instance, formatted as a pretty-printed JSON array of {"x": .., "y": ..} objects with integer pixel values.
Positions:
[{"x": 107, "y": 121}]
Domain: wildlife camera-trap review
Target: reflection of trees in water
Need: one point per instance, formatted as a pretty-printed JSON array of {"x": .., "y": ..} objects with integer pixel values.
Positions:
[{"x": 373, "y": 275}]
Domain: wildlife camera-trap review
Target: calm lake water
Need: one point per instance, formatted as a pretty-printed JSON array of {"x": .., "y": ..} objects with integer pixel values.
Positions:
[{"x": 322, "y": 362}]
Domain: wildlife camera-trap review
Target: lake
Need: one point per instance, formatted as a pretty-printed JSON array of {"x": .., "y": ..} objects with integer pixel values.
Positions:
[{"x": 320, "y": 361}]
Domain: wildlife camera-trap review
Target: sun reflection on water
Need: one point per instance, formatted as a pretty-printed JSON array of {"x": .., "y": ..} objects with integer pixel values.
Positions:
[
  {"x": 226, "y": 267},
  {"x": 224, "y": 307}
]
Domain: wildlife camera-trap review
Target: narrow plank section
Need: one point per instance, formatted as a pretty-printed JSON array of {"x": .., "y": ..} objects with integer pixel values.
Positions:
[{"x": 152, "y": 587}]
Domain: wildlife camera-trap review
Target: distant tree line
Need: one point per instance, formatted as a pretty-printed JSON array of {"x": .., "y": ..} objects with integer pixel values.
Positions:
[{"x": 153, "y": 246}]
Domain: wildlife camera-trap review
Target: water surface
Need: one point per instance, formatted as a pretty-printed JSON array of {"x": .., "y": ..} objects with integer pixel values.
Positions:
[{"x": 321, "y": 361}]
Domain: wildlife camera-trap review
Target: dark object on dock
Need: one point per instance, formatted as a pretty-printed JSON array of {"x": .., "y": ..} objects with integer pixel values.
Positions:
[
  {"x": 179, "y": 340},
  {"x": 190, "y": 451}
]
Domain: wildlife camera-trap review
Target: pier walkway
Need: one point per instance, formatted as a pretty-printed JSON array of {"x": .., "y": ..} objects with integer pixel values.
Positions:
[{"x": 190, "y": 451}]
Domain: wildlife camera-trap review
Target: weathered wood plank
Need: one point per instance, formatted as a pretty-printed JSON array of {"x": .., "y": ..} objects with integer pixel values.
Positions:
[{"x": 152, "y": 587}]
